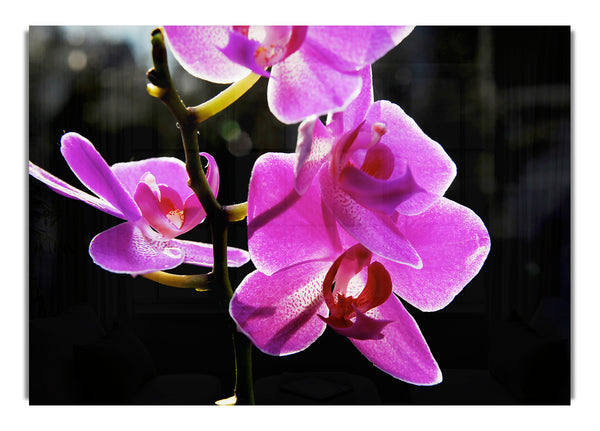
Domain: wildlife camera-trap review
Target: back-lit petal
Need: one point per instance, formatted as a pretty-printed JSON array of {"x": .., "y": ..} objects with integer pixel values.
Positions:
[
  {"x": 93, "y": 171},
  {"x": 279, "y": 312},
  {"x": 402, "y": 351},
  {"x": 198, "y": 50},
  {"x": 453, "y": 243},
  {"x": 279, "y": 217},
  {"x": 376, "y": 232},
  {"x": 62, "y": 188},
  {"x": 129, "y": 248}
]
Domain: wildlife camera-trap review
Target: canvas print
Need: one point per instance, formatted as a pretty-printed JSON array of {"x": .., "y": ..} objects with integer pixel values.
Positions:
[{"x": 299, "y": 215}]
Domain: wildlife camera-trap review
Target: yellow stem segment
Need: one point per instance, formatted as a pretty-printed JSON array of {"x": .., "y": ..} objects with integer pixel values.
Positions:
[
  {"x": 224, "y": 98},
  {"x": 196, "y": 281},
  {"x": 236, "y": 212}
]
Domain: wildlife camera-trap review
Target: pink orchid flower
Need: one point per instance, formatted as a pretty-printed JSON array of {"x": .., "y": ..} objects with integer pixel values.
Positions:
[
  {"x": 154, "y": 198},
  {"x": 314, "y": 69},
  {"x": 373, "y": 163},
  {"x": 310, "y": 274}
]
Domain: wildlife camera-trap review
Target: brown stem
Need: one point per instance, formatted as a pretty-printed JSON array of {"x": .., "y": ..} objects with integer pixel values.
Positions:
[{"x": 161, "y": 86}]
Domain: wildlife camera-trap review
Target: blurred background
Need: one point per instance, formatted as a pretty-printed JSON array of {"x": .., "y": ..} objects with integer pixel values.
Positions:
[{"x": 498, "y": 99}]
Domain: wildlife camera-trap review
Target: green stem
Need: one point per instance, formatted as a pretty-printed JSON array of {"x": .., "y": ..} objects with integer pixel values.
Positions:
[
  {"x": 218, "y": 217},
  {"x": 244, "y": 391},
  {"x": 224, "y": 98}
]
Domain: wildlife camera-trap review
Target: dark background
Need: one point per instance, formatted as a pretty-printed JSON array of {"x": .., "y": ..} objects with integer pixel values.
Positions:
[{"x": 498, "y": 99}]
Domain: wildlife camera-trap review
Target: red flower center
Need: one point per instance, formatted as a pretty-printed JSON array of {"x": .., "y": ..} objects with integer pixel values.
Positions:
[{"x": 344, "y": 308}]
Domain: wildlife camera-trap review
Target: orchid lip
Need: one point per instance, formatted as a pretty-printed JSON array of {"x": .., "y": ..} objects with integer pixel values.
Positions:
[{"x": 346, "y": 312}]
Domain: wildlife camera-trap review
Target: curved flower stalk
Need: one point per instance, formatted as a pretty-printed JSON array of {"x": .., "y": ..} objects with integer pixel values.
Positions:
[
  {"x": 373, "y": 163},
  {"x": 153, "y": 197},
  {"x": 332, "y": 280},
  {"x": 314, "y": 70}
]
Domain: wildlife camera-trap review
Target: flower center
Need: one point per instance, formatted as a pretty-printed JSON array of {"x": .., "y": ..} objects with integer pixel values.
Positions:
[
  {"x": 344, "y": 308},
  {"x": 378, "y": 159},
  {"x": 161, "y": 206},
  {"x": 176, "y": 217}
]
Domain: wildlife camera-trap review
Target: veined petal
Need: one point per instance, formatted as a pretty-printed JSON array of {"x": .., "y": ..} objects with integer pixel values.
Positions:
[
  {"x": 376, "y": 232},
  {"x": 133, "y": 249},
  {"x": 91, "y": 169},
  {"x": 353, "y": 47},
  {"x": 201, "y": 254},
  {"x": 376, "y": 194},
  {"x": 432, "y": 169},
  {"x": 198, "y": 50},
  {"x": 305, "y": 84},
  {"x": 279, "y": 312},
  {"x": 166, "y": 170},
  {"x": 453, "y": 244},
  {"x": 62, "y": 188},
  {"x": 354, "y": 114},
  {"x": 276, "y": 211},
  {"x": 312, "y": 150},
  {"x": 402, "y": 351}
]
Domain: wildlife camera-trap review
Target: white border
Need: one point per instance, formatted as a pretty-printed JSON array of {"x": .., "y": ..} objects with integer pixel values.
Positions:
[{"x": 16, "y": 412}]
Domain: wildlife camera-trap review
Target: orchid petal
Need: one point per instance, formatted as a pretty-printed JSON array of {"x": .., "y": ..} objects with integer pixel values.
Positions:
[
  {"x": 377, "y": 289},
  {"x": 453, "y": 243},
  {"x": 201, "y": 254},
  {"x": 152, "y": 211},
  {"x": 355, "y": 112},
  {"x": 313, "y": 147},
  {"x": 376, "y": 232},
  {"x": 169, "y": 199},
  {"x": 276, "y": 211},
  {"x": 133, "y": 249},
  {"x": 402, "y": 351},
  {"x": 363, "y": 328},
  {"x": 198, "y": 50},
  {"x": 242, "y": 50},
  {"x": 193, "y": 213},
  {"x": 166, "y": 170},
  {"x": 305, "y": 84},
  {"x": 279, "y": 312},
  {"x": 350, "y": 48},
  {"x": 432, "y": 169},
  {"x": 212, "y": 173},
  {"x": 379, "y": 195},
  {"x": 91, "y": 169},
  {"x": 62, "y": 188}
]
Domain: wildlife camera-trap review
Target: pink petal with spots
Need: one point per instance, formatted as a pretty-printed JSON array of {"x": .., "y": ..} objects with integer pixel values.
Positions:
[
  {"x": 305, "y": 84},
  {"x": 279, "y": 312},
  {"x": 375, "y": 231},
  {"x": 131, "y": 249},
  {"x": 278, "y": 216}
]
